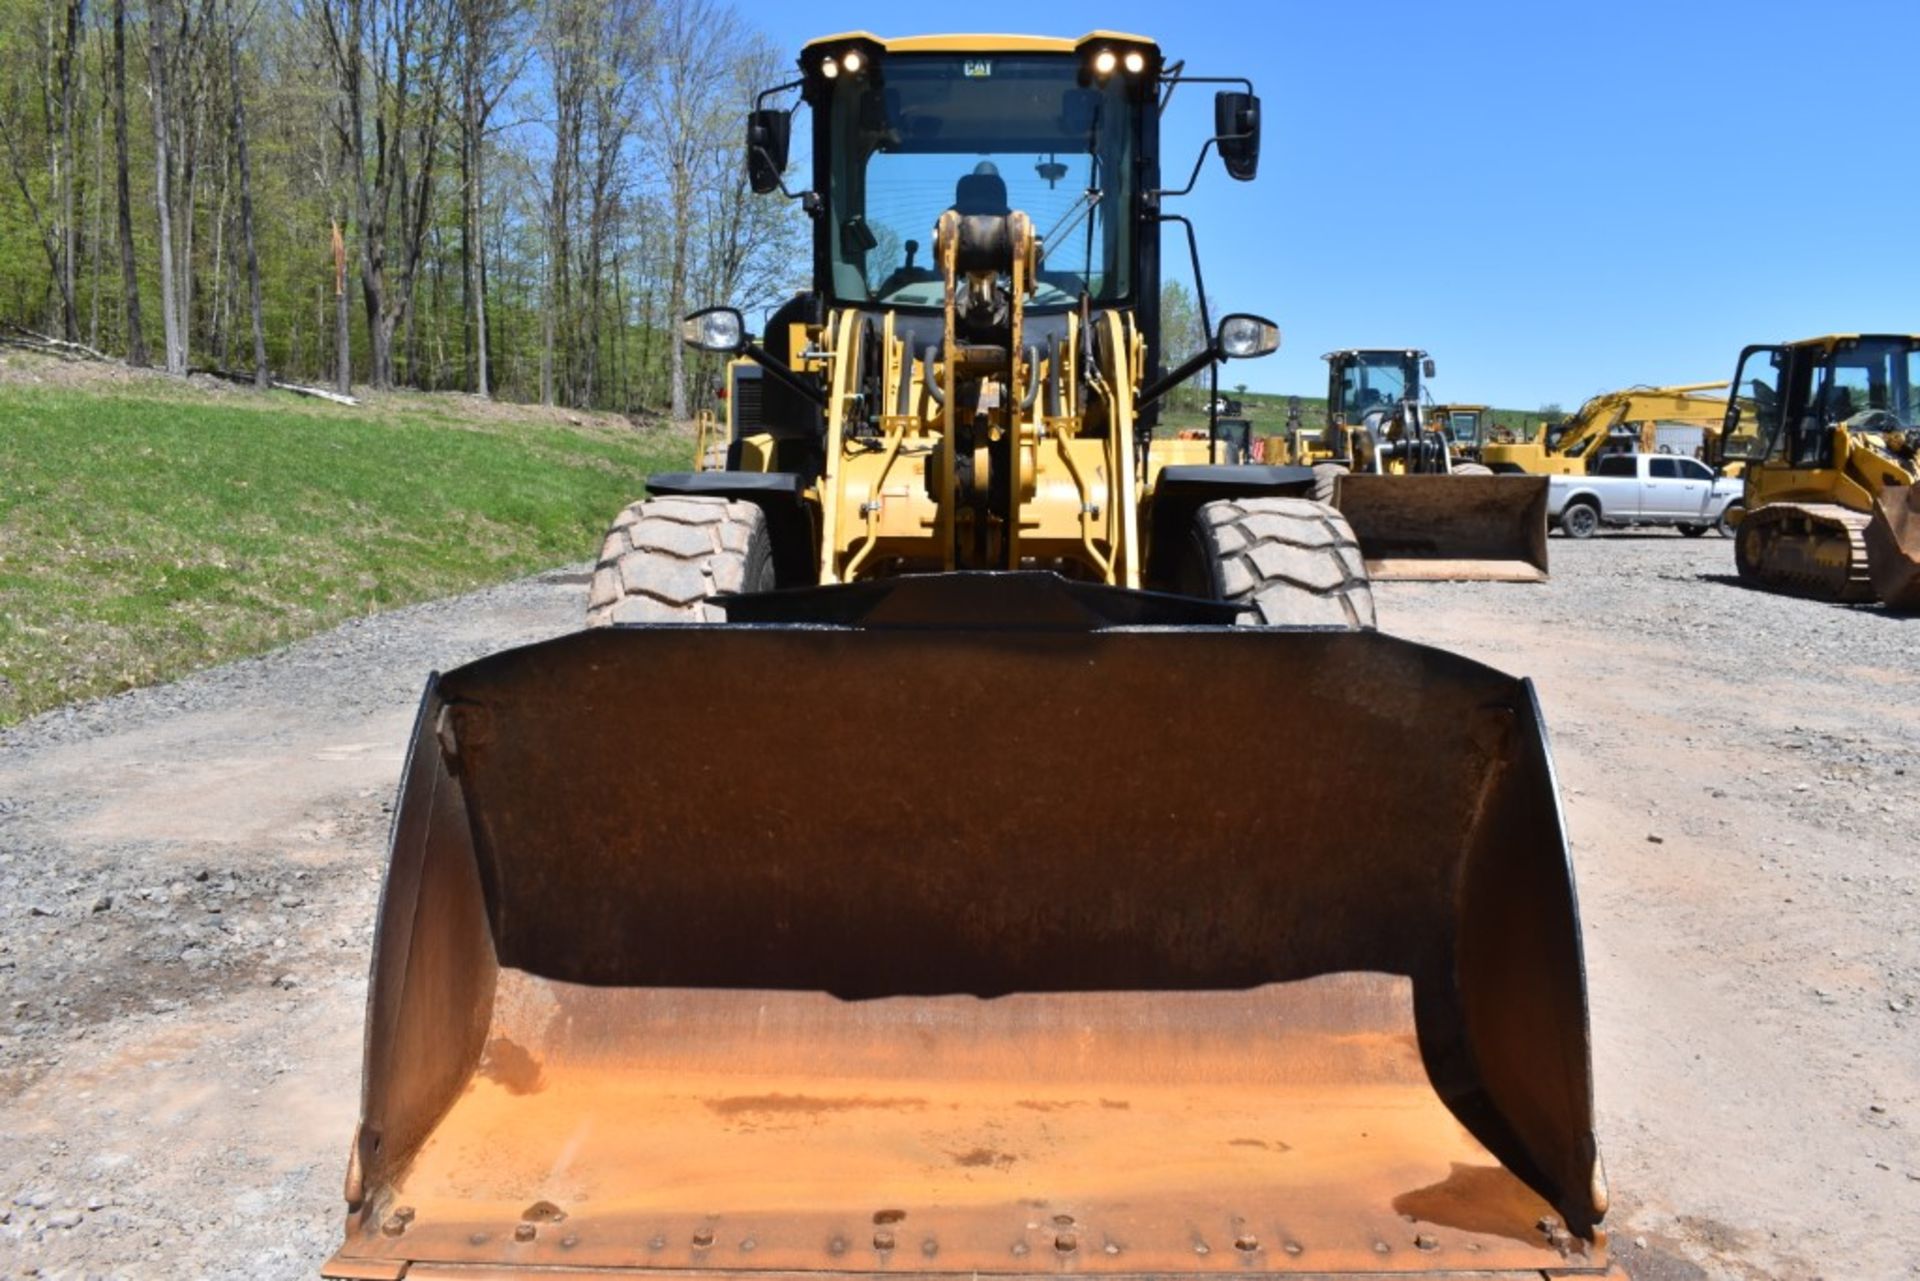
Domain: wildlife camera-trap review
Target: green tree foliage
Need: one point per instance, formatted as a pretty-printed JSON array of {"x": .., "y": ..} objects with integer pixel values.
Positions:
[{"x": 575, "y": 279}]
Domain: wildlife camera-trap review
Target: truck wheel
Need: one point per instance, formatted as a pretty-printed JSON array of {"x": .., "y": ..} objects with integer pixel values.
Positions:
[
  {"x": 1581, "y": 519},
  {"x": 1289, "y": 562},
  {"x": 1324, "y": 476},
  {"x": 1692, "y": 531},
  {"x": 665, "y": 559},
  {"x": 1471, "y": 469},
  {"x": 1729, "y": 518}
]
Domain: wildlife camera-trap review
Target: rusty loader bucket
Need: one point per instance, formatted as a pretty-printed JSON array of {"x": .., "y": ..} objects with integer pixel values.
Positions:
[
  {"x": 960, "y": 935},
  {"x": 1893, "y": 548},
  {"x": 1437, "y": 528}
]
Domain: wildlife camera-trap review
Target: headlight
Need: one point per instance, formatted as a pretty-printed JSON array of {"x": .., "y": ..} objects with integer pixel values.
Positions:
[
  {"x": 1105, "y": 61},
  {"x": 719, "y": 329},
  {"x": 1242, "y": 337}
]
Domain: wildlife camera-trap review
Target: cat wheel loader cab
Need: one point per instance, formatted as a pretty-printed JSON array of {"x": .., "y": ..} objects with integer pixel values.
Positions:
[
  {"x": 1827, "y": 431},
  {"x": 879, "y": 891},
  {"x": 1390, "y": 470},
  {"x": 1466, "y": 428}
]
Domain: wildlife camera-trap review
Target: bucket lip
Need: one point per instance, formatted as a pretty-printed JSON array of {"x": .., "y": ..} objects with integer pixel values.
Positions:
[{"x": 999, "y": 600}]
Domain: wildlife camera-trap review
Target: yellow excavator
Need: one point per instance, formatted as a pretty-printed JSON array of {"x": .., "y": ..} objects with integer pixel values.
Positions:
[
  {"x": 1624, "y": 419},
  {"x": 1827, "y": 429},
  {"x": 886, "y": 885}
]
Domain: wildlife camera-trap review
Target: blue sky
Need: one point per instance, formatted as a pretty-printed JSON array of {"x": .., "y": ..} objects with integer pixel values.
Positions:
[{"x": 1552, "y": 199}]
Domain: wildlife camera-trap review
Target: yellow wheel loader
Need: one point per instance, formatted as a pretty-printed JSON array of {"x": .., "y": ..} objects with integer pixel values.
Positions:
[
  {"x": 1466, "y": 428},
  {"x": 1391, "y": 472},
  {"x": 1614, "y": 420},
  {"x": 1827, "y": 429},
  {"x": 891, "y": 885}
]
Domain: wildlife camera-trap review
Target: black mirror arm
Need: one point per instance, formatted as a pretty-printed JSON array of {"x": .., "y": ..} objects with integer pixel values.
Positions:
[
  {"x": 1173, "y": 378},
  {"x": 760, "y": 99},
  {"x": 784, "y": 375},
  {"x": 1193, "y": 177}
]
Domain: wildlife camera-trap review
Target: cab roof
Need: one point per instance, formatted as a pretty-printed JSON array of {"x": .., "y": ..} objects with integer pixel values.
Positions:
[{"x": 980, "y": 43}]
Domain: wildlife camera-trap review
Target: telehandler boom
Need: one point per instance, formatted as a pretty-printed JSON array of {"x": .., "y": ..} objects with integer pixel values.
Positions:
[{"x": 877, "y": 890}]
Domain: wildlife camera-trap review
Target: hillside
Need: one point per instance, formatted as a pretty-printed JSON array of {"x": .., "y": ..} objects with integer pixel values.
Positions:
[{"x": 150, "y": 525}]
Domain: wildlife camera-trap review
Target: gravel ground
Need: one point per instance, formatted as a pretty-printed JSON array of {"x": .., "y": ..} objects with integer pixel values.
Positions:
[
  {"x": 187, "y": 885},
  {"x": 188, "y": 876}
]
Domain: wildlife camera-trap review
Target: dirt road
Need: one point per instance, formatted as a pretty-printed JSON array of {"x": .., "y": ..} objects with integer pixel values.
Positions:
[{"x": 188, "y": 874}]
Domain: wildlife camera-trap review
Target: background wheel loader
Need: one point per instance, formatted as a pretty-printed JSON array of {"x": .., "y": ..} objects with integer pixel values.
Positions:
[
  {"x": 875, "y": 892},
  {"x": 1469, "y": 525},
  {"x": 1830, "y": 428},
  {"x": 1466, "y": 428}
]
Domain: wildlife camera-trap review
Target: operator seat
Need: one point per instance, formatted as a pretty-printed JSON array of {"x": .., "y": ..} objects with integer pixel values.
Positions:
[{"x": 983, "y": 191}]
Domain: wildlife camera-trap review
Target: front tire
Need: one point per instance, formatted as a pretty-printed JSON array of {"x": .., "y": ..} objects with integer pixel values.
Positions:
[
  {"x": 1580, "y": 520},
  {"x": 666, "y": 559},
  {"x": 1326, "y": 476},
  {"x": 1288, "y": 562},
  {"x": 1729, "y": 522},
  {"x": 1692, "y": 531}
]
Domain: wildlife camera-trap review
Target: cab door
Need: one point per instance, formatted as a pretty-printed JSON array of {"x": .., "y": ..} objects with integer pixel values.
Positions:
[
  {"x": 1664, "y": 492},
  {"x": 1753, "y": 430}
]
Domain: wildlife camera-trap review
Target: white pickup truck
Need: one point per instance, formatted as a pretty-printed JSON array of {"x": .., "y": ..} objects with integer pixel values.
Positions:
[{"x": 1642, "y": 489}]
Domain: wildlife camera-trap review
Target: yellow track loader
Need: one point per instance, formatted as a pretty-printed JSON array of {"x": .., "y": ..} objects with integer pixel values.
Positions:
[
  {"x": 886, "y": 886},
  {"x": 1830, "y": 428},
  {"x": 1623, "y": 419}
]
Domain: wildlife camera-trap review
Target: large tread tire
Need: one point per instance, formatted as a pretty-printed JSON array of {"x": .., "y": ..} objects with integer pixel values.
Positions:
[
  {"x": 1325, "y": 477},
  {"x": 665, "y": 559},
  {"x": 1289, "y": 562}
]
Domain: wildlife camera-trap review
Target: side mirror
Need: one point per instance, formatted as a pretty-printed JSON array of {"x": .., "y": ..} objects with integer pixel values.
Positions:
[
  {"x": 1236, "y": 131},
  {"x": 768, "y": 133},
  {"x": 1426, "y": 367},
  {"x": 721, "y": 329},
  {"x": 1243, "y": 337}
]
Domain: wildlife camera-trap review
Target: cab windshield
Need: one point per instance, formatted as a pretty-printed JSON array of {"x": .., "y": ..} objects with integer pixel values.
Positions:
[
  {"x": 985, "y": 135},
  {"x": 1373, "y": 381},
  {"x": 1870, "y": 385}
]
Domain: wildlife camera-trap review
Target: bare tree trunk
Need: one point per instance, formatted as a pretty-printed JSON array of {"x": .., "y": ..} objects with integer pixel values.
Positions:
[
  {"x": 162, "y": 164},
  {"x": 64, "y": 166},
  {"x": 129, "y": 273},
  {"x": 342, "y": 317},
  {"x": 95, "y": 236},
  {"x": 260, "y": 377}
]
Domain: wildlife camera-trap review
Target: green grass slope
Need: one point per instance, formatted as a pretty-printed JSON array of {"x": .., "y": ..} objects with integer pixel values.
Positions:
[{"x": 148, "y": 528}]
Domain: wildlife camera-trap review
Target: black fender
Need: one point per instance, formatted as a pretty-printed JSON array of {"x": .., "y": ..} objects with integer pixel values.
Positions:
[
  {"x": 1181, "y": 490},
  {"x": 780, "y": 496}
]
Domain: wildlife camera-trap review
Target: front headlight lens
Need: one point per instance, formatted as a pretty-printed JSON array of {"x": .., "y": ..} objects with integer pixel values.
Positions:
[
  {"x": 1242, "y": 337},
  {"x": 721, "y": 329}
]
